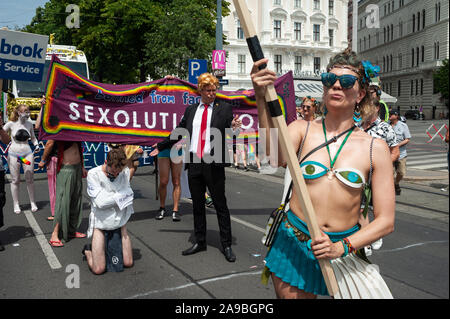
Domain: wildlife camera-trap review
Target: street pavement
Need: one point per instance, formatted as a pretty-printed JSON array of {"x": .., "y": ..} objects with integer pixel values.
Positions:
[{"x": 413, "y": 259}]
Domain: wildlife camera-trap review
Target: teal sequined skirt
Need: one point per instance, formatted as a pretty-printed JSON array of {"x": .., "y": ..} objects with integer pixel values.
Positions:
[{"x": 292, "y": 261}]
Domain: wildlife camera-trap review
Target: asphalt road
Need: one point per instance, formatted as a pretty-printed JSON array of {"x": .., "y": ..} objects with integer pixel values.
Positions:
[{"x": 413, "y": 260}]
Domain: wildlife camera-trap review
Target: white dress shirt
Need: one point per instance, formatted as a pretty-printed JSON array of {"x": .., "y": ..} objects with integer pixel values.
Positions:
[{"x": 196, "y": 126}]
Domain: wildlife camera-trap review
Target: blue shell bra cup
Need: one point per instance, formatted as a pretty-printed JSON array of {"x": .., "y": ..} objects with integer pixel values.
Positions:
[{"x": 349, "y": 176}]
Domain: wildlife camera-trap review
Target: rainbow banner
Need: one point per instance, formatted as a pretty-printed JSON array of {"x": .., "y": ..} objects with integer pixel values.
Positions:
[{"x": 79, "y": 109}]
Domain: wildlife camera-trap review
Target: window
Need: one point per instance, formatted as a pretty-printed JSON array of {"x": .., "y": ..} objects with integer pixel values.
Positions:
[
  {"x": 298, "y": 64},
  {"x": 438, "y": 12},
  {"x": 412, "y": 87},
  {"x": 421, "y": 86},
  {"x": 388, "y": 32},
  {"x": 417, "y": 56},
  {"x": 241, "y": 63},
  {"x": 412, "y": 57},
  {"x": 400, "y": 61},
  {"x": 297, "y": 3},
  {"x": 278, "y": 63},
  {"x": 414, "y": 23},
  {"x": 418, "y": 21},
  {"x": 417, "y": 87},
  {"x": 423, "y": 19},
  {"x": 399, "y": 89},
  {"x": 400, "y": 28},
  {"x": 331, "y": 35},
  {"x": 436, "y": 50},
  {"x": 316, "y": 32},
  {"x": 384, "y": 38},
  {"x": 392, "y": 32},
  {"x": 316, "y": 65},
  {"x": 298, "y": 31},
  {"x": 240, "y": 31},
  {"x": 316, "y": 4},
  {"x": 331, "y": 7},
  {"x": 384, "y": 64},
  {"x": 277, "y": 28},
  {"x": 390, "y": 66},
  {"x": 277, "y": 2},
  {"x": 423, "y": 53}
]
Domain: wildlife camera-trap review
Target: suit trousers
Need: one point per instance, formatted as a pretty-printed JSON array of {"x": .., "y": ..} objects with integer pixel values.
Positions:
[{"x": 200, "y": 176}]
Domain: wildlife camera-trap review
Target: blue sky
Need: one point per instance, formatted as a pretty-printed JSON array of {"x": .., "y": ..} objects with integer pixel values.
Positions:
[{"x": 18, "y": 13}]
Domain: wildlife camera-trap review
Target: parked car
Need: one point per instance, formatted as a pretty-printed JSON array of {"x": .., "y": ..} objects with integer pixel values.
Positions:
[{"x": 414, "y": 115}]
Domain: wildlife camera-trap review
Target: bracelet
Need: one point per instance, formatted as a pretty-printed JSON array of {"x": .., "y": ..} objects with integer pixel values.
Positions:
[
  {"x": 350, "y": 247},
  {"x": 345, "y": 248}
]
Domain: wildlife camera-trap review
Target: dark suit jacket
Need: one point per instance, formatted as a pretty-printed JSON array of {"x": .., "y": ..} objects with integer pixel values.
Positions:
[{"x": 221, "y": 119}]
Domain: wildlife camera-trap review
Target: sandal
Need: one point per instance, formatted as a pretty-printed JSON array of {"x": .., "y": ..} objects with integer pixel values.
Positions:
[
  {"x": 77, "y": 235},
  {"x": 56, "y": 243}
]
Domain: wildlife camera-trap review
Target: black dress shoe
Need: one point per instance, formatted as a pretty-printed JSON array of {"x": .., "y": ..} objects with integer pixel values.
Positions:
[
  {"x": 229, "y": 255},
  {"x": 194, "y": 249}
]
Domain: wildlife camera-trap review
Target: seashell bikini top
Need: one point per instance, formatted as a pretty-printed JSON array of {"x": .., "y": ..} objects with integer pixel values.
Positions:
[{"x": 347, "y": 175}]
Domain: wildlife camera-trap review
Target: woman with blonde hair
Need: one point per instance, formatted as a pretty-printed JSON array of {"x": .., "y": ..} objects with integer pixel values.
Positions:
[
  {"x": 335, "y": 175},
  {"x": 20, "y": 128}
]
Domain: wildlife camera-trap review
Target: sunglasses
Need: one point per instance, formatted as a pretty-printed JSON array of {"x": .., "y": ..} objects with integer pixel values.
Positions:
[
  {"x": 347, "y": 81},
  {"x": 307, "y": 107}
]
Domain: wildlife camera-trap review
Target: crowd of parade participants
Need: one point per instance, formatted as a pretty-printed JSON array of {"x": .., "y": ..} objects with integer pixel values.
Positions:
[{"x": 362, "y": 157}]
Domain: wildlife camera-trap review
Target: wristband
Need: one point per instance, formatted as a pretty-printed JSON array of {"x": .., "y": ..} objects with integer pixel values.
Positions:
[
  {"x": 350, "y": 247},
  {"x": 345, "y": 248}
]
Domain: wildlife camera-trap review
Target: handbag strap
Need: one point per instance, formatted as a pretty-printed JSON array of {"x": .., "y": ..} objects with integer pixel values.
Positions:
[
  {"x": 371, "y": 165},
  {"x": 331, "y": 140},
  {"x": 288, "y": 193}
]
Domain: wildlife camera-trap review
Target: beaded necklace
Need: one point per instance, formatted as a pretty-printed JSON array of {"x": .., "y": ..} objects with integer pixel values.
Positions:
[{"x": 333, "y": 161}]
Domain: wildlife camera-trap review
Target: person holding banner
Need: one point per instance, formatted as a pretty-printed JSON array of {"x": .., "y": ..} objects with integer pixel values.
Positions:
[
  {"x": 334, "y": 174},
  {"x": 206, "y": 123},
  {"x": 170, "y": 167},
  {"x": 21, "y": 130},
  {"x": 4, "y": 138},
  {"x": 69, "y": 192}
]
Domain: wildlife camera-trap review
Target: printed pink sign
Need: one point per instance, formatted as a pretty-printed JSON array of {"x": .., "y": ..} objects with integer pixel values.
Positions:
[{"x": 219, "y": 60}]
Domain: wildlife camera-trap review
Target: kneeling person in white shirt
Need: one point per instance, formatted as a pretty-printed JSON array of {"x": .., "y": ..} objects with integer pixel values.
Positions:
[{"x": 108, "y": 187}]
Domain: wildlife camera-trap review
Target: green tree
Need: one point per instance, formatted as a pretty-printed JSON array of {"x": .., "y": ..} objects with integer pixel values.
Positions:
[
  {"x": 127, "y": 40},
  {"x": 440, "y": 78}
]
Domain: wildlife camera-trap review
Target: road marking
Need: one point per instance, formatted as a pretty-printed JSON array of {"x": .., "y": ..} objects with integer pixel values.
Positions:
[
  {"x": 243, "y": 222},
  {"x": 413, "y": 245},
  {"x": 201, "y": 282},
  {"x": 42, "y": 240},
  {"x": 237, "y": 220}
]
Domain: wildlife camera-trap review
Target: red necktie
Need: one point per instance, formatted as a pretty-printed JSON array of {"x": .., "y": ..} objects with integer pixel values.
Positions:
[{"x": 202, "y": 135}]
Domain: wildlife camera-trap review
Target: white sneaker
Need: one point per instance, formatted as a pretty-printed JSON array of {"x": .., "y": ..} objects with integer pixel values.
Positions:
[
  {"x": 34, "y": 207},
  {"x": 161, "y": 214},
  {"x": 368, "y": 251},
  {"x": 377, "y": 244},
  {"x": 16, "y": 208}
]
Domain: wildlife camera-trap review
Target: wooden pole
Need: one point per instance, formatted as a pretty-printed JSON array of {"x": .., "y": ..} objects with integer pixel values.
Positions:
[{"x": 286, "y": 146}]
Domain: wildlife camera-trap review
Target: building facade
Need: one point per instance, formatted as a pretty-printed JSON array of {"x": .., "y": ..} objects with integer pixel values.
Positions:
[
  {"x": 408, "y": 39},
  {"x": 297, "y": 35}
]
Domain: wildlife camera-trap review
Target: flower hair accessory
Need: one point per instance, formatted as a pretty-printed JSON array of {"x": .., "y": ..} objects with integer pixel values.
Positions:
[
  {"x": 315, "y": 102},
  {"x": 370, "y": 70}
]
